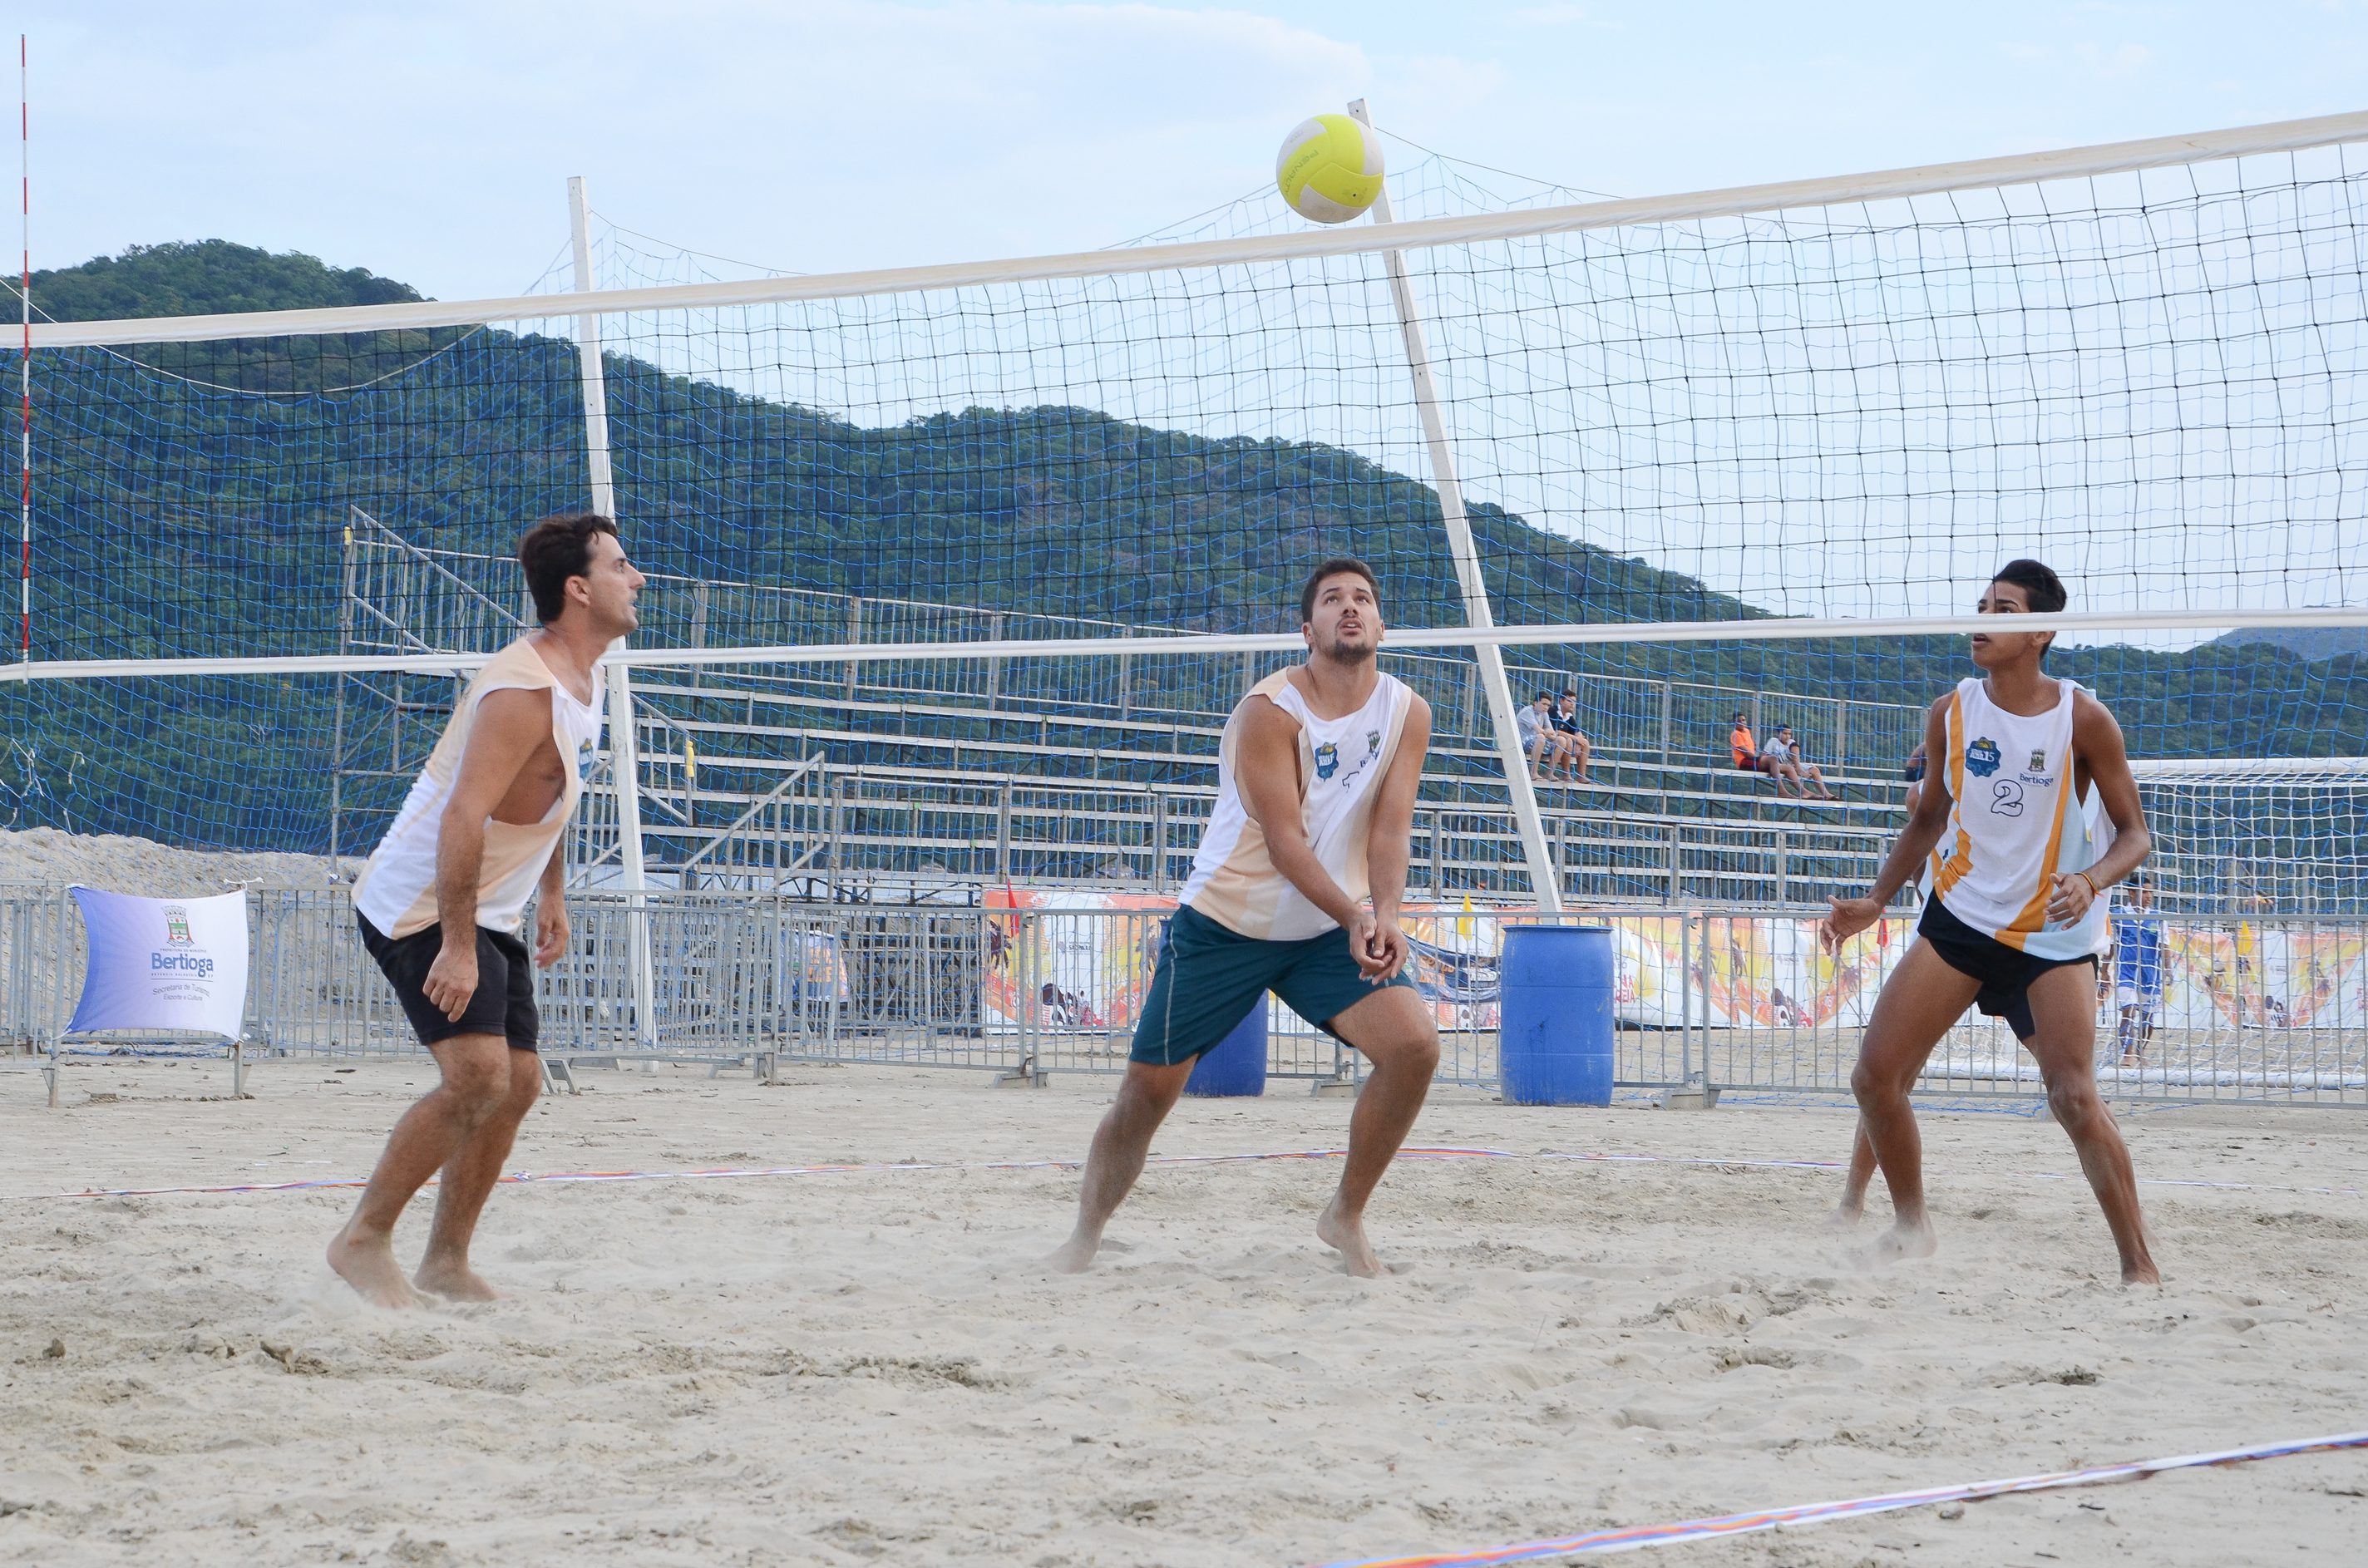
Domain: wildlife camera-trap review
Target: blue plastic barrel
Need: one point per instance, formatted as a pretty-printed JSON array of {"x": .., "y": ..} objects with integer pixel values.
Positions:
[
  {"x": 1554, "y": 1028},
  {"x": 1238, "y": 1065}
]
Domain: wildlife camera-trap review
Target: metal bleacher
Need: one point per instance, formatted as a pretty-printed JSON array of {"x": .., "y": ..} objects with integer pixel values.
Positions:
[{"x": 886, "y": 780}]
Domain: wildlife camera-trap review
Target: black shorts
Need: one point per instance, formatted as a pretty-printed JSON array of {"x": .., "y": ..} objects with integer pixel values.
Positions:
[
  {"x": 504, "y": 1003},
  {"x": 2006, "y": 973}
]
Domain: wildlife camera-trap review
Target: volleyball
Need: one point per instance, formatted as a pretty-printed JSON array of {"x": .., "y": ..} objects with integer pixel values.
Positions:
[{"x": 1329, "y": 168}]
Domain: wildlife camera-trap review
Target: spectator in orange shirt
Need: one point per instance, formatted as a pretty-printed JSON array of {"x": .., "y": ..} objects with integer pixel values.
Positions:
[{"x": 1746, "y": 750}]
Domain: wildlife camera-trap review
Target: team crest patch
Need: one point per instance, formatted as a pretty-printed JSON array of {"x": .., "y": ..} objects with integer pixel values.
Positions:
[
  {"x": 1372, "y": 744},
  {"x": 1982, "y": 757},
  {"x": 2038, "y": 760},
  {"x": 176, "y": 927},
  {"x": 1327, "y": 760}
]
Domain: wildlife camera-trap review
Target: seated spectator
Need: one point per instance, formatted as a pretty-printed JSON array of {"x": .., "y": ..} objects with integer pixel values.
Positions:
[
  {"x": 1739, "y": 742},
  {"x": 1577, "y": 747},
  {"x": 1536, "y": 722},
  {"x": 1782, "y": 758},
  {"x": 1914, "y": 774}
]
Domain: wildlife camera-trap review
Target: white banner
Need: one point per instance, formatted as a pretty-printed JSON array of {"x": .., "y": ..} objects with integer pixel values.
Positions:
[{"x": 176, "y": 964}]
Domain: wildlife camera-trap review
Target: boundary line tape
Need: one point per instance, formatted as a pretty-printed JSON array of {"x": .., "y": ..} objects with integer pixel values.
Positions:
[{"x": 1603, "y": 1542}]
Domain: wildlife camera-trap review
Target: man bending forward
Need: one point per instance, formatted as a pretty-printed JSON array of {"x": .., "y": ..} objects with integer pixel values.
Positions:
[
  {"x": 1316, "y": 788},
  {"x": 440, "y": 903}
]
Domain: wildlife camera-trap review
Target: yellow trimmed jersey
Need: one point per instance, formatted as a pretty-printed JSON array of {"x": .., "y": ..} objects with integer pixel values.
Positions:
[
  {"x": 1341, "y": 764},
  {"x": 2014, "y": 823}
]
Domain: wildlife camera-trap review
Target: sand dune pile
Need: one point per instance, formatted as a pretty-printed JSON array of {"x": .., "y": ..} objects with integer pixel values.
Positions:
[{"x": 869, "y": 1369}]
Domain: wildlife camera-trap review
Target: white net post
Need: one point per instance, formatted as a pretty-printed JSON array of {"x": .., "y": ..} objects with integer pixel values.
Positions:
[
  {"x": 1544, "y": 879},
  {"x": 624, "y": 749}
]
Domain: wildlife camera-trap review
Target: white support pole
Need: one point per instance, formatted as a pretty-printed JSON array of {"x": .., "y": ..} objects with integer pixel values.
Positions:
[
  {"x": 624, "y": 747},
  {"x": 1544, "y": 880}
]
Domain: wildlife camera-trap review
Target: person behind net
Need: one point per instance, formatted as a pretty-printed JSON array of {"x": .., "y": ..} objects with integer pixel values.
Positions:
[
  {"x": 1536, "y": 725},
  {"x": 439, "y": 904},
  {"x": 2137, "y": 973},
  {"x": 2016, "y": 915},
  {"x": 1741, "y": 746},
  {"x": 1316, "y": 777},
  {"x": 1784, "y": 762},
  {"x": 1576, "y": 747}
]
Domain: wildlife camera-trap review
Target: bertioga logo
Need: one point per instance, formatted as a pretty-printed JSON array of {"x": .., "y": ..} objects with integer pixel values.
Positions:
[
  {"x": 176, "y": 927},
  {"x": 1982, "y": 757}
]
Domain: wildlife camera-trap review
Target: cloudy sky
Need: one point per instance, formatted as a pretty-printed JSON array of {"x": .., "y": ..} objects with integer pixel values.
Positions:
[{"x": 430, "y": 141}]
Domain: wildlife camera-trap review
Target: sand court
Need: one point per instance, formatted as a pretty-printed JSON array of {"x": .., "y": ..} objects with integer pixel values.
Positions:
[{"x": 869, "y": 1366}]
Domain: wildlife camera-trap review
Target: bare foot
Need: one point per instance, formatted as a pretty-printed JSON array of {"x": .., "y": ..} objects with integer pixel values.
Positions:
[
  {"x": 1904, "y": 1241},
  {"x": 369, "y": 1268},
  {"x": 1845, "y": 1217},
  {"x": 1347, "y": 1236},
  {"x": 1073, "y": 1255},
  {"x": 454, "y": 1281},
  {"x": 2141, "y": 1274}
]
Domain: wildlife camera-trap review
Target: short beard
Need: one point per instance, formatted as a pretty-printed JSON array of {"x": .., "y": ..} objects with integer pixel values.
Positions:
[{"x": 1341, "y": 653}]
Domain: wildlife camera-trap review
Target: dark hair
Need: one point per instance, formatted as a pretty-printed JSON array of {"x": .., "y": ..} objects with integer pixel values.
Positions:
[
  {"x": 1570, "y": 691},
  {"x": 1739, "y": 714},
  {"x": 555, "y": 549},
  {"x": 1334, "y": 568},
  {"x": 2041, "y": 586},
  {"x": 1543, "y": 697}
]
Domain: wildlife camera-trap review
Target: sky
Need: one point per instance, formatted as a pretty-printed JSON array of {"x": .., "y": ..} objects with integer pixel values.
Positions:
[{"x": 430, "y": 141}]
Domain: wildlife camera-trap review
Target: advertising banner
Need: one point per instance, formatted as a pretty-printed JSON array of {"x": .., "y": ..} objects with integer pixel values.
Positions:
[
  {"x": 177, "y": 964},
  {"x": 1749, "y": 971}
]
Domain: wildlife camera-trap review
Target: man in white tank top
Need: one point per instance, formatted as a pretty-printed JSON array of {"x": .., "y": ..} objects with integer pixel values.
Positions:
[
  {"x": 2016, "y": 917},
  {"x": 481, "y": 833},
  {"x": 1317, "y": 777}
]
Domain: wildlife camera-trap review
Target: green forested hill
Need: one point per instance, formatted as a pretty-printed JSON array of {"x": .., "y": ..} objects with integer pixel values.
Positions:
[{"x": 191, "y": 499}]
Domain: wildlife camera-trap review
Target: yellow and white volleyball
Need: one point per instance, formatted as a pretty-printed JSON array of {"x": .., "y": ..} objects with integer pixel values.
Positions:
[{"x": 1329, "y": 168}]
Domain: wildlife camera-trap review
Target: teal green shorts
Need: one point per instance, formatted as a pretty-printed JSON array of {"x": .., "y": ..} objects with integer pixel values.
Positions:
[{"x": 1210, "y": 976}]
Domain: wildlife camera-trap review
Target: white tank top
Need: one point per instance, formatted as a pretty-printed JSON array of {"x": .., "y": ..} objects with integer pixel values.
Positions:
[
  {"x": 1341, "y": 763},
  {"x": 2013, "y": 824},
  {"x": 396, "y": 891}
]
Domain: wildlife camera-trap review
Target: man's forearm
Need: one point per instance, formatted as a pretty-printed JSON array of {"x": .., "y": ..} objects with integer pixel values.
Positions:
[
  {"x": 1297, "y": 862},
  {"x": 2129, "y": 852},
  {"x": 1386, "y": 870},
  {"x": 459, "y": 856},
  {"x": 1907, "y": 852}
]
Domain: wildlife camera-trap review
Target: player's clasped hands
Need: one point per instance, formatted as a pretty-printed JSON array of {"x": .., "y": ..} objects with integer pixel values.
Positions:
[
  {"x": 1378, "y": 945},
  {"x": 1847, "y": 918}
]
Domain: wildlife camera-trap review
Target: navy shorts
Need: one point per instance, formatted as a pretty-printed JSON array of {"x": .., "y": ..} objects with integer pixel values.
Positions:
[
  {"x": 1210, "y": 976},
  {"x": 2006, "y": 973},
  {"x": 504, "y": 1003}
]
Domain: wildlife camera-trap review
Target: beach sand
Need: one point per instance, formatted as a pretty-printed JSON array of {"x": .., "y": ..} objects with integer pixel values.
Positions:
[{"x": 870, "y": 1368}]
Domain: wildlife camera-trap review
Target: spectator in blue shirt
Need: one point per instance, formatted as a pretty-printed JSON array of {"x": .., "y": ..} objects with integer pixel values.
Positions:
[{"x": 2137, "y": 973}]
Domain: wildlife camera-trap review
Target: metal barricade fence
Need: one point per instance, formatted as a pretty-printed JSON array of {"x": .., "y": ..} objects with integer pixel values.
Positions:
[{"x": 2266, "y": 1007}]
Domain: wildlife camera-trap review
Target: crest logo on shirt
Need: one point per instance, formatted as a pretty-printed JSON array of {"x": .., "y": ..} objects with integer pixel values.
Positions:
[
  {"x": 2039, "y": 759},
  {"x": 1327, "y": 760},
  {"x": 1372, "y": 744},
  {"x": 1982, "y": 757},
  {"x": 585, "y": 758}
]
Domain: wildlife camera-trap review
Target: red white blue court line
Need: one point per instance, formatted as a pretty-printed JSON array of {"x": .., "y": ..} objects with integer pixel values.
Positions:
[
  {"x": 330, "y": 1184},
  {"x": 1596, "y": 1543}
]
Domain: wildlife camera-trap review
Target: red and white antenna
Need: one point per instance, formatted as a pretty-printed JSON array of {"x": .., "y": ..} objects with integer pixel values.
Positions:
[{"x": 24, "y": 365}]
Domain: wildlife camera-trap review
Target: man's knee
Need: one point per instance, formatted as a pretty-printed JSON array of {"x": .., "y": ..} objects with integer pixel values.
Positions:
[
  {"x": 476, "y": 1071},
  {"x": 525, "y": 1083},
  {"x": 1152, "y": 1090},
  {"x": 1871, "y": 1082},
  {"x": 2074, "y": 1102}
]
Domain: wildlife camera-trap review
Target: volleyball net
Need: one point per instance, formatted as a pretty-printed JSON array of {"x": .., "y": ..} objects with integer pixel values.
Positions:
[{"x": 1750, "y": 450}]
